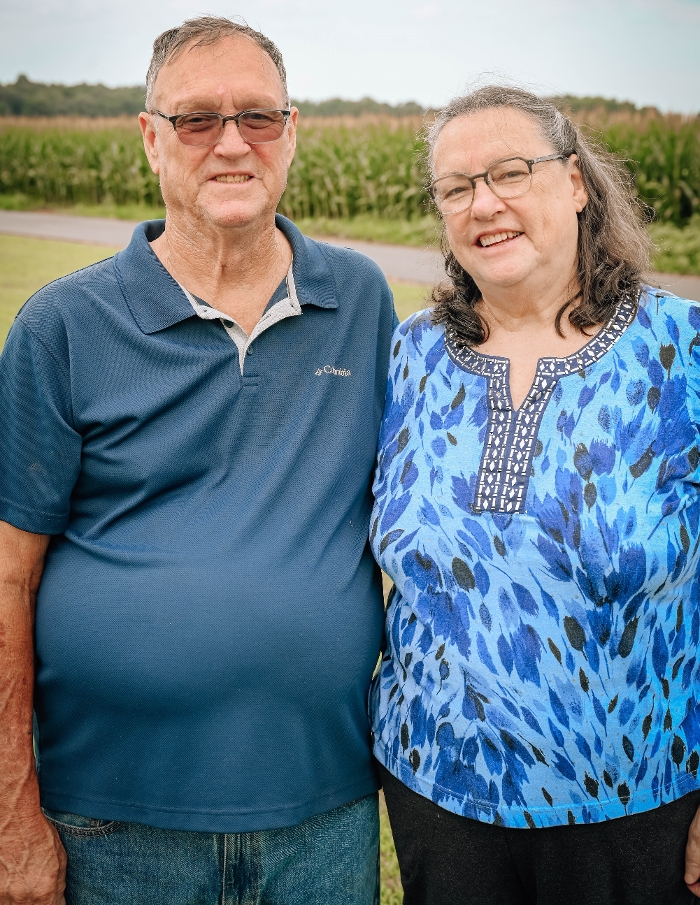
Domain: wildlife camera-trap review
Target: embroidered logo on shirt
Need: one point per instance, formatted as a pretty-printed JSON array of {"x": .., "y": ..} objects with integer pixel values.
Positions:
[{"x": 329, "y": 369}]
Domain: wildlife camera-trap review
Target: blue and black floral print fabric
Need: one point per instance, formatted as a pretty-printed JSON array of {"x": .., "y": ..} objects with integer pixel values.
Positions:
[{"x": 541, "y": 663}]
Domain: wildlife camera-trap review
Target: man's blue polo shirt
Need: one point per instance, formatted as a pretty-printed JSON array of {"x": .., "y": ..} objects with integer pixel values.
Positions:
[{"x": 210, "y": 613}]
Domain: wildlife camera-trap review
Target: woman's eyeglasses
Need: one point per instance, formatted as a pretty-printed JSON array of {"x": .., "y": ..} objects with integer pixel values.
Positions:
[
  {"x": 506, "y": 178},
  {"x": 202, "y": 130}
]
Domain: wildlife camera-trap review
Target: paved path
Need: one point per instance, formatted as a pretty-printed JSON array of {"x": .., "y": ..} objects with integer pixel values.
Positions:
[{"x": 398, "y": 262}]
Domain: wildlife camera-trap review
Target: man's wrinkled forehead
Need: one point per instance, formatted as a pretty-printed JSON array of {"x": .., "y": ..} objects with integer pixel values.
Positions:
[{"x": 234, "y": 66}]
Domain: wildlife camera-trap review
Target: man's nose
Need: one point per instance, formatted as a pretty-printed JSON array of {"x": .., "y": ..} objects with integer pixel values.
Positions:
[{"x": 230, "y": 140}]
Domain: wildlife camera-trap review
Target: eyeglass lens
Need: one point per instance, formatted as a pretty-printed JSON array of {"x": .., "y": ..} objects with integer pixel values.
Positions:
[
  {"x": 203, "y": 129},
  {"x": 507, "y": 179}
]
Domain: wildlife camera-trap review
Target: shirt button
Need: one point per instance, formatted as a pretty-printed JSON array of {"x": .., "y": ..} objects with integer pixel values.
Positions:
[{"x": 250, "y": 350}]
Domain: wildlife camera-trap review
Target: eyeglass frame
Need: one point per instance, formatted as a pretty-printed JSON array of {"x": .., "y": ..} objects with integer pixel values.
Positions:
[
  {"x": 485, "y": 176},
  {"x": 225, "y": 119}
]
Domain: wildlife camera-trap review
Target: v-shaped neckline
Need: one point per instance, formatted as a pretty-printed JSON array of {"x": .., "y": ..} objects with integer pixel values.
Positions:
[
  {"x": 511, "y": 437},
  {"x": 549, "y": 368}
]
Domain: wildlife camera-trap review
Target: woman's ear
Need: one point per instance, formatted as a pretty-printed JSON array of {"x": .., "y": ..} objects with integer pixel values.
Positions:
[{"x": 580, "y": 195}]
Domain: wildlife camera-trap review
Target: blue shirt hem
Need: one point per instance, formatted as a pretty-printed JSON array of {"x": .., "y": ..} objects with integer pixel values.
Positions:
[
  {"x": 530, "y": 818},
  {"x": 211, "y": 821}
]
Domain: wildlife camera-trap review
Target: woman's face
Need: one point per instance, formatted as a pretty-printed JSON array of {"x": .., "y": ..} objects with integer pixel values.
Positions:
[{"x": 537, "y": 233}]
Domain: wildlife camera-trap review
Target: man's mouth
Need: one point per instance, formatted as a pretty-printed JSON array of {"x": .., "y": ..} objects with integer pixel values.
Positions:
[
  {"x": 243, "y": 177},
  {"x": 485, "y": 241}
]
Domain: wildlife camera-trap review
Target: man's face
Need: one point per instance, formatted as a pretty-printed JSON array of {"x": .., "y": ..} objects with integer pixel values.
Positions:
[{"x": 231, "y": 183}]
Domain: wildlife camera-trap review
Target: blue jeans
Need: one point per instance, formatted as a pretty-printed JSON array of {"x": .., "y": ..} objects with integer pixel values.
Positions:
[{"x": 330, "y": 859}]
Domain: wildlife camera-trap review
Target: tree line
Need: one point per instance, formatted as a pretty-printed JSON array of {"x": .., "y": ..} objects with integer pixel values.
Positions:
[{"x": 27, "y": 98}]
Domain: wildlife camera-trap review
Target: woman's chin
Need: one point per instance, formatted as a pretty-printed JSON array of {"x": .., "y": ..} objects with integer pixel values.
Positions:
[
  {"x": 505, "y": 276},
  {"x": 499, "y": 268}
]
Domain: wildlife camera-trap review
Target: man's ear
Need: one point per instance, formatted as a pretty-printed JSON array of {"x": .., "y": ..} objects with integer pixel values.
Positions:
[
  {"x": 150, "y": 140},
  {"x": 292, "y": 134}
]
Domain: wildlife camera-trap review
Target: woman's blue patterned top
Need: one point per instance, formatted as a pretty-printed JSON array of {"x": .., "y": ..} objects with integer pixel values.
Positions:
[{"x": 542, "y": 639}]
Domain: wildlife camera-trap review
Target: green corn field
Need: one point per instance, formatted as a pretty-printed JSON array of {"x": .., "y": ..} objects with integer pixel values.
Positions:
[
  {"x": 343, "y": 168},
  {"x": 341, "y": 171},
  {"x": 665, "y": 160},
  {"x": 70, "y": 166}
]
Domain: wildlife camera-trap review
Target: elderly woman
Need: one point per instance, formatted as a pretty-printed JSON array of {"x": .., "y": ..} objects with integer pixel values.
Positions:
[{"x": 537, "y": 711}]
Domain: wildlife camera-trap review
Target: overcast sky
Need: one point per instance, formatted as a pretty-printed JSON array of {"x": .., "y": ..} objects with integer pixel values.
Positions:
[{"x": 647, "y": 51}]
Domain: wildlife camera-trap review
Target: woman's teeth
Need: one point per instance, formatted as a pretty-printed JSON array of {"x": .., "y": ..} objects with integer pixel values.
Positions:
[{"x": 485, "y": 241}]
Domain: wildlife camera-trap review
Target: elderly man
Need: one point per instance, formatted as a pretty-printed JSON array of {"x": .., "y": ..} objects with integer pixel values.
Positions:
[{"x": 188, "y": 438}]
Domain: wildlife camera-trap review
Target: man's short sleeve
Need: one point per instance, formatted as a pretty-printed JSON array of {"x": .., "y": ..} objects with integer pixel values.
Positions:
[{"x": 39, "y": 447}]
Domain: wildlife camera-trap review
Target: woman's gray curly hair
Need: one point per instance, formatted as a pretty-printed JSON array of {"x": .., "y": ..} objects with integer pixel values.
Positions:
[{"x": 613, "y": 243}]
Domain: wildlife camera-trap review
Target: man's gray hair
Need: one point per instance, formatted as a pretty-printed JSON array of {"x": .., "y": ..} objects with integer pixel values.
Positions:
[
  {"x": 613, "y": 243},
  {"x": 198, "y": 33}
]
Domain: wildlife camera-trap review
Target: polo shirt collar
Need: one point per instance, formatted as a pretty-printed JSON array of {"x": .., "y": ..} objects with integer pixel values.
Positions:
[
  {"x": 313, "y": 277},
  {"x": 157, "y": 302}
]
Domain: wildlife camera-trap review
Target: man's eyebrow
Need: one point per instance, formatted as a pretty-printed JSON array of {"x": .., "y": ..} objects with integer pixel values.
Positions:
[{"x": 206, "y": 105}]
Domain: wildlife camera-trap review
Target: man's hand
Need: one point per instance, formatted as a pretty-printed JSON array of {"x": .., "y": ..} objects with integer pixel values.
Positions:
[
  {"x": 32, "y": 859},
  {"x": 692, "y": 856},
  {"x": 32, "y": 863}
]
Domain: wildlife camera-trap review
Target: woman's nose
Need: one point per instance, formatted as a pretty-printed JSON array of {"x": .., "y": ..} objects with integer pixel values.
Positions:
[{"x": 485, "y": 202}]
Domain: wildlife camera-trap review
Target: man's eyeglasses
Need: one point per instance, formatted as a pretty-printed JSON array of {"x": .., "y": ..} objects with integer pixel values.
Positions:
[
  {"x": 506, "y": 178},
  {"x": 203, "y": 130}
]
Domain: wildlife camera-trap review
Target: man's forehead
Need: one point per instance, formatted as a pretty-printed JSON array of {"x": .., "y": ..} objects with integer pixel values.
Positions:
[{"x": 234, "y": 65}]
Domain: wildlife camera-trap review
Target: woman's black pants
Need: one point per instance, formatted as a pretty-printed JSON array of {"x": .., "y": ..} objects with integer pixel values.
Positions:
[{"x": 446, "y": 859}]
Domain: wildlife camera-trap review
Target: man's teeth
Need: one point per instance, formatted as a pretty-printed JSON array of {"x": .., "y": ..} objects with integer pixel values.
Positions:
[
  {"x": 227, "y": 178},
  {"x": 485, "y": 241}
]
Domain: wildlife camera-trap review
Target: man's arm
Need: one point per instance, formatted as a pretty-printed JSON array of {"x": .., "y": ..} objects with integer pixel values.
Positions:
[{"x": 32, "y": 859}]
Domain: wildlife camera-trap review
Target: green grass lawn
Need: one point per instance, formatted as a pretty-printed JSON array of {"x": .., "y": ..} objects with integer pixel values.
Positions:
[
  {"x": 28, "y": 264},
  {"x": 409, "y": 297}
]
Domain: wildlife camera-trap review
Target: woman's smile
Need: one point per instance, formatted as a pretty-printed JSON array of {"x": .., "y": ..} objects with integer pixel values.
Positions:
[{"x": 488, "y": 240}]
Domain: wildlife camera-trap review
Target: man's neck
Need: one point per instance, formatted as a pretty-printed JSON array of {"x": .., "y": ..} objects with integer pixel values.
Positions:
[{"x": 235, "y": 270}]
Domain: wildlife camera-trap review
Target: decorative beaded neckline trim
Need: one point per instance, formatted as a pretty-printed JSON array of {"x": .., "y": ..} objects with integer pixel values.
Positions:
[{"x": 506, "y": 460}]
